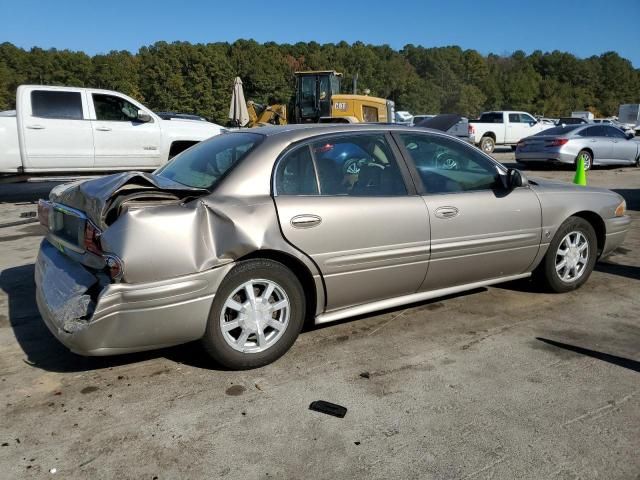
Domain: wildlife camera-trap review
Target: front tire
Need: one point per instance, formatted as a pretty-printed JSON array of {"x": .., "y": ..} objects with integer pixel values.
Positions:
[
  {"x": 571, "y": 256},
  {"x": 256, "y": 316},
  {"x": 487, "y": 145}
]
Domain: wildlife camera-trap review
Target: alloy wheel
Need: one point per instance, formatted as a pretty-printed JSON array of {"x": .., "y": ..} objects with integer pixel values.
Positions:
[
  {"x": 572, "y": 257},
  {"x": 255, "y": 316}
]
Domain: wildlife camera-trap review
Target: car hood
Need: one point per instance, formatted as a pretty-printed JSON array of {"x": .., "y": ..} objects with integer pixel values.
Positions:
[{"x": 102, "y": 199}]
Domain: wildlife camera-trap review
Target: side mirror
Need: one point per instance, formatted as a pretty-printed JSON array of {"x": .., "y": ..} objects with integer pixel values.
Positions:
[
  {"x": 531, "y": 124},
  {"x": 143, "y": 116},
  {"x": 515, "y": 179},
  {"x": 629, "y": 135}
]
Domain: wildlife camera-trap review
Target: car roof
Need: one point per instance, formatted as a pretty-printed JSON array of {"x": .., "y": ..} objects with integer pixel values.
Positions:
[{"x": 293, "y": 133}]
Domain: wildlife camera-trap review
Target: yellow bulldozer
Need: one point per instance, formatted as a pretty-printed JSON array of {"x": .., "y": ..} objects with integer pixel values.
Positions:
[{"x": 317, "y": 99}]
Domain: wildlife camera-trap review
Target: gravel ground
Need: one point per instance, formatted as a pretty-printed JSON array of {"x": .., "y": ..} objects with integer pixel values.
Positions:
[{"x": 505, "y": 382}]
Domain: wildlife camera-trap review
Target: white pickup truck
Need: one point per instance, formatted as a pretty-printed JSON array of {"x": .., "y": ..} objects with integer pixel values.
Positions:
[
  {"x": 81, "y": 130},
  {"x": 504, "y": 128}
]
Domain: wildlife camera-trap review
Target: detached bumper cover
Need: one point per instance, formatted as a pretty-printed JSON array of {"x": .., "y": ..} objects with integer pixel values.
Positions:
[{"x": 121, "y": 318}]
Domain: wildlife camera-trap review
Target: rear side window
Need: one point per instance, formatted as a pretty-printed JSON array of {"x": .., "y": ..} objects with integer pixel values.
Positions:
[
  {"x": 53, "y": 104},
  {"x": 204, "y": 164},
  {"x": 295, "y": 174},
  {"x": 495, "y": 117},
  {"x": 359, "y": 165},
  {"x": 514, "y": 118}
]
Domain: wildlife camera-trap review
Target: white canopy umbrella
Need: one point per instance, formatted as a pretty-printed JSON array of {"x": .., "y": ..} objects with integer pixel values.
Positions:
[{"x": 238, "y": 111}]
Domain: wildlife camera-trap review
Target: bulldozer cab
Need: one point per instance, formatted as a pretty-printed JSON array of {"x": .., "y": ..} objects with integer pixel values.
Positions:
[{"x": 314, "y": 90}]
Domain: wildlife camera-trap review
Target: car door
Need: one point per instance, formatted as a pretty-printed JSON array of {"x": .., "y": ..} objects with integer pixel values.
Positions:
[
  {"x": 348, "y": 203},
  {"x": 515, "y": 129},
  {"x": 55, "y": 129},
  {"x": 121, "y": 140},
  {"x": 599, "y": 143},
  {"x": 625, "y": 150},
  {"x": 479, "y": 229}
]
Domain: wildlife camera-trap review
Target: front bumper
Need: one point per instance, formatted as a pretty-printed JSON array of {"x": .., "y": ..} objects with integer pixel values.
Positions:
[
  {"x": 121, "y": 318},
  {"x": 616, "y": 229}
]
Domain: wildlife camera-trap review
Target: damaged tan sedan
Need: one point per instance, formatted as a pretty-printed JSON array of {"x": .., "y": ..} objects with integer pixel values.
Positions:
[{"x": 241, "y": 238}]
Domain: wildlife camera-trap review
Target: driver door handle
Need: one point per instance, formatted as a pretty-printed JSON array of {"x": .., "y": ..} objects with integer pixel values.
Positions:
[
  {"x": 36, "y": 127},
  {"x": 305, "y": 221},
  {"x": 446, "y": 212},
  {"x": 103, "y": 129}
]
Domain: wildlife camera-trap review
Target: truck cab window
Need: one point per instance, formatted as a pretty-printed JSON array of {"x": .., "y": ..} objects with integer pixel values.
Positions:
[
  {"x": 111, "y": 108},
  {"x": 55, "y": 104}
]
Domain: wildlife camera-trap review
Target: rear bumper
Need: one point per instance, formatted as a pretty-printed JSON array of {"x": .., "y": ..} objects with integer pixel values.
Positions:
[
  {"x": 547, "y": 157},
  {"x": 616, "y": 229},
  {"x": 121, "y": 318}
]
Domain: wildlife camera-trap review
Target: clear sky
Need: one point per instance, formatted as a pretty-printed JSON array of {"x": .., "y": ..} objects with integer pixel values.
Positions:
[{"x": 582, "y": 27}]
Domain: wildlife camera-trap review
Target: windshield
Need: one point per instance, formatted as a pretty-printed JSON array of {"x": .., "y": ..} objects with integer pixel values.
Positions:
[
  {"x": 557, "y": 131},
  {"x": 204, "y": 164}
]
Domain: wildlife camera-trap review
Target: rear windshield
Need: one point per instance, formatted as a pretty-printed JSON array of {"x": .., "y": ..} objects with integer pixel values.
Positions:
[
  {"x": 557, "y": 130},
  {"x": 204, "y": 164}
]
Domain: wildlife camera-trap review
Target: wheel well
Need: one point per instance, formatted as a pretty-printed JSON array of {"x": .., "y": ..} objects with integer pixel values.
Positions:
[
  {"x": 299, "y": 269},
  {"x": 180, "y": 146},
  {"x": 587, "y": 150},
  {"x": 597, "y": 223},
  {"x": 490, "y": 134}
]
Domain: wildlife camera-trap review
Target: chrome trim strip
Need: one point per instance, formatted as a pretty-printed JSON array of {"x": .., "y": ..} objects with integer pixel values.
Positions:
[{"x": 411, "y": 298}]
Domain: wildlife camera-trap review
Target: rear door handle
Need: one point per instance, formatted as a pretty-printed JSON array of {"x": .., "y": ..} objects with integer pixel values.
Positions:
[
  {"x": 446, "y": 212},
  {"x": 305, "y": 221},
  {"x": 36, "y": 127},
  {"x": 103, "y": 129}
]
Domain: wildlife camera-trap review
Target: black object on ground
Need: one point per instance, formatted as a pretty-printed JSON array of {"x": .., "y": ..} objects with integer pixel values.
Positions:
[{"x": 328, "y": 408}]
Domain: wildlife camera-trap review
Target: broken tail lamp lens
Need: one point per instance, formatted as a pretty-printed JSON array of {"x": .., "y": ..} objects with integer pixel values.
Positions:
[
  {"x": 115, "y": 267},
  {"x": 92, "y": 238},
  {"x": 44, "y": 213}
]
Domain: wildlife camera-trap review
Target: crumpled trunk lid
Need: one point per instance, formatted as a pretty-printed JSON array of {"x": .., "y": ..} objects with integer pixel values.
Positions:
[{"x": 104, "y": 199}]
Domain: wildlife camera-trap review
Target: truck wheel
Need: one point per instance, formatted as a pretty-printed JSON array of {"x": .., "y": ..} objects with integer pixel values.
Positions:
[
  {"x": 587, "y": 158},
  {"x": 487, "y": 145},
  {"x": 571, "y": 256},
  {"x": 256, "y": 316}
]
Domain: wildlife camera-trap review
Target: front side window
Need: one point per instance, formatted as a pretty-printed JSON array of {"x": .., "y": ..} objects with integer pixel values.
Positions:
[
  {"x": 615, "y": 132},
  {"x": 55, "y": 104},
  {"x": 448, "y": 166},
  {"x": 295, "y": 174},
  {"x": 524, "y": 118},
  {"x": 359, "y": 165},
  {"x": 110, "y": 108},
  {"x": 204, "y": 164}
]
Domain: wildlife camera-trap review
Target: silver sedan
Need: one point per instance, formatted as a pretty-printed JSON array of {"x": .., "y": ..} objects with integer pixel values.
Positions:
[
  {"x": 595, "y": 144},
  {"x": 241, "y": 238}
]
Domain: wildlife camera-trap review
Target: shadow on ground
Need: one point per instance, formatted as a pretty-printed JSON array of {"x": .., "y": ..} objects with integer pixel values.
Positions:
[{"x": 605, "y": 357}]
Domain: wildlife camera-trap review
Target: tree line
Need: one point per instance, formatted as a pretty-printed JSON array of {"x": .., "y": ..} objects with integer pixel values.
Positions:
[{"x": 198, "y": 78}]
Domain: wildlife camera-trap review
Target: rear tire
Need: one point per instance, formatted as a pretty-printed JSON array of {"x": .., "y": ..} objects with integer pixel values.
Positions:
[
  {"x": 263, "y": 332},
  {"x": 578, "y": 260},
  {"x": 487, "y": 145},
  {"x": 587, "y": 157}
]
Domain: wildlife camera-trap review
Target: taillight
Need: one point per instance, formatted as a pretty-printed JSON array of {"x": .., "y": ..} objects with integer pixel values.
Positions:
[
  {"x": 114, "y": 265},
  {"x": 557, "y": 142},
  {"x": 44, "y": 213},
  {"x": 92, "y": 239},
  {"x": 472, "y": 129}
]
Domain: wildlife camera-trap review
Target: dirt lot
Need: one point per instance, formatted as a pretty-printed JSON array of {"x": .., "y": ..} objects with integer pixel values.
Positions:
[{"x": 504, "y": 382}]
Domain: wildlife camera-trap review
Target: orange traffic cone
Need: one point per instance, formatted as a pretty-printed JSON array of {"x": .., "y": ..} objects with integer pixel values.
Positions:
[{"x": 581, "y": 176}]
